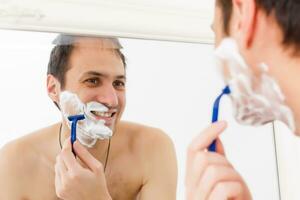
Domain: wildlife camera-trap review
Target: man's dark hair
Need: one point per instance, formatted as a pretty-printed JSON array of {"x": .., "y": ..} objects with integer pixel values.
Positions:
[
  {"x": 286, "y": 13},
  {"x": 226, "y": 7},
  {"x": 59, "y": 58}
]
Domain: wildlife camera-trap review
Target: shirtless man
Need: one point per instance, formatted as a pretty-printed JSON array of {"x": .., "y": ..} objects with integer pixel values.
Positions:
[{"x": 138, "y": 162}]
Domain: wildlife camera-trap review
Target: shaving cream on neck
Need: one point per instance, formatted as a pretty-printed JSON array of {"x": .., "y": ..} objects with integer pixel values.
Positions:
[
  {"x": 89, "y": 129},
  {"x": 257, "y": 100}
]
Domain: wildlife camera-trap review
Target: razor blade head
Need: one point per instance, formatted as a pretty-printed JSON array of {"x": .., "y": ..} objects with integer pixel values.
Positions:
[
  {"x": 76, "y": 117},
  {"x": 226, "y": 90}
]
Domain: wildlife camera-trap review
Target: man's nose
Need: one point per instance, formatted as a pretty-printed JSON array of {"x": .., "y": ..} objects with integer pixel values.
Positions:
[{"x": 107, "y": 95}]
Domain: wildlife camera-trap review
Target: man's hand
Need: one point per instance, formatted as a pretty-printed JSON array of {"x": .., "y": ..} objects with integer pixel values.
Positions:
[
  {"x": 75, "y": 182},
  {"x": 209, "y": 175}
]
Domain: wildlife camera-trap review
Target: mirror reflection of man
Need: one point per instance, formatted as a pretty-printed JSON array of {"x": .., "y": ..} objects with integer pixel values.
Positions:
[
  {"x": 263, "y": 36},
  {"x": 136, "y": 162}
]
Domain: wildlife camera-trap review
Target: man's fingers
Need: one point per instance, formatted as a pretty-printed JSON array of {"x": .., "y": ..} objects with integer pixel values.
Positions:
[
  {"x": 58, "y": 181},
  {"x": 67, "y": 143},
  {"x": 201, "y": 142},
  {"x": 211, "y": 133},
  {"x": 201, "y": 161},
  {"x": 61, "y": 166},
  {"x": 67, "y": 155},
  {"x": 227, "y": 190},
  {"x": 212, "y": 176},
  {"x": 87, "y": 158},
  {"x": 219, "y": 147}
]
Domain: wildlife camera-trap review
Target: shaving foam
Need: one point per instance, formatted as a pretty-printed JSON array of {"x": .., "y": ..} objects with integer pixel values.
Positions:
[
  {"x": 89, "y": 129},
  {"x": 257, "y": 100}
]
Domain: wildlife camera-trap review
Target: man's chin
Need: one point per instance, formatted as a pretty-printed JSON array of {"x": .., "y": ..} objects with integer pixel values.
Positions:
[{"x": 112, "y": 125}]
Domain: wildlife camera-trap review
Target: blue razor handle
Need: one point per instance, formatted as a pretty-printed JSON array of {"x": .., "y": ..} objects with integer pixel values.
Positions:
[
  {"x": 74, "y": 119},
  {"x": 215, "y": 115}
]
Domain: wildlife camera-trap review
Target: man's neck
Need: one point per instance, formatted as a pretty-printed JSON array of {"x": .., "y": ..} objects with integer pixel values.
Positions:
[
  {"x": 285, "y": 68},
  {"x": 99, "y": 150}
]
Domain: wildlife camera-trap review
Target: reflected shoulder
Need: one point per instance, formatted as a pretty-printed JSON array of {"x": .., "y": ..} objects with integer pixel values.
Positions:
[
  {"x": 144, "y": 133},
  {"x": 16, "y": 168},
  {"x": 157, "y": 153},
  {"x": 150, "y": 141},
  {"x": 20, "y": 156},
  {"x": 15, "y": 154}
]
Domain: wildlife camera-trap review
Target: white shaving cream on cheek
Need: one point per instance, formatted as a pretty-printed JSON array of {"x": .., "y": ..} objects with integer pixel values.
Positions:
[
  {"x": 256, "y": 101},
  {"x": 89, "y": 129}
]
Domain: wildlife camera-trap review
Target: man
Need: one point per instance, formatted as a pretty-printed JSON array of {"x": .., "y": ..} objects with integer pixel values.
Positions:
[
  {"x": 261, "y": 54},
  {"x": 126, "y": 166}
]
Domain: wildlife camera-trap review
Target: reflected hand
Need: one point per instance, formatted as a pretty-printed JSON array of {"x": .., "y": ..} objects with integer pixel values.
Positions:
[
  {"x": 75, "y": 182},
  {"x": 209, "y": 175}
]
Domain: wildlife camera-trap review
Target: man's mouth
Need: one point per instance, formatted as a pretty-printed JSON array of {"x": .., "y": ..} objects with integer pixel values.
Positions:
[{"x": 99, "y": 114}]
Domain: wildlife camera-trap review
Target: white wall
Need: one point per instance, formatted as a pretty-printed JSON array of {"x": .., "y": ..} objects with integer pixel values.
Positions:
[
  {"x": 170, "y": 85},
  {"x": 288, "y": 151}
]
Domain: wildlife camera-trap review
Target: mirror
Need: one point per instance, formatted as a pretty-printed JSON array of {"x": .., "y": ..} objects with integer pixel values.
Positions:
[{"x": 170, "y": 86}]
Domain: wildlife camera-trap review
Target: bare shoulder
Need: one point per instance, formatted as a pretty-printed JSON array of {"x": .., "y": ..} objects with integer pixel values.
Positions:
[
  {"x": 146, "y": 136},
  {"x": 18, "y": 164},
  {"x": 20, "y": 154},
  {"x": 14, "y": 154},
  {"x": 153, "y": 145},
  {"x": 14, "y": 169},
  {"x": 157, "y": 155}
]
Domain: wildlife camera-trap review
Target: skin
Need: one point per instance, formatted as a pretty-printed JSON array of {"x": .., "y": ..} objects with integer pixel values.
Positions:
[
  {"x": 34, "y": 167},
  {"x": 210, "y": 175}
]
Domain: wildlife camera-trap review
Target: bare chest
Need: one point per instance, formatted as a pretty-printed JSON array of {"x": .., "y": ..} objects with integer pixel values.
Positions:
[{"x": 123, "y": 179}]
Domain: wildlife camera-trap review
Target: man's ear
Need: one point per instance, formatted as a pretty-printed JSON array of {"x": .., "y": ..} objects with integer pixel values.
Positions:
[
  {"x": 53, "y": 88},
  {"x": 245, "y": 16}
]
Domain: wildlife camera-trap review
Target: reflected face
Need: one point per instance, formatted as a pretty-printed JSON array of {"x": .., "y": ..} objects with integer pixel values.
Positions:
[{"x": 97, "y": 74}]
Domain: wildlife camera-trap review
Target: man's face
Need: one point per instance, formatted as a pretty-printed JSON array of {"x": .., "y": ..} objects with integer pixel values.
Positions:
[{"x": 97, "y": 74}]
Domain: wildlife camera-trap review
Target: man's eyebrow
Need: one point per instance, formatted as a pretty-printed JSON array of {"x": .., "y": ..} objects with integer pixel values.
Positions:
[
  {"x": 121, "y": 77},
  {"x": 94, "y": 73}
]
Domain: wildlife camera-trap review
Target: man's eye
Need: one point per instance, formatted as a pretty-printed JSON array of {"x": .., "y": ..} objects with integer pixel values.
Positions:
[
  {"x": 92, "y": 81},
  {"x": 119, "y": 84}
]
